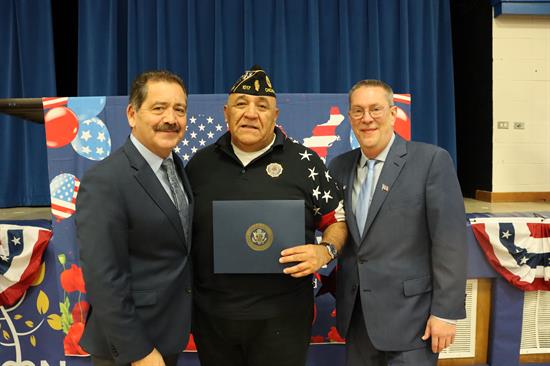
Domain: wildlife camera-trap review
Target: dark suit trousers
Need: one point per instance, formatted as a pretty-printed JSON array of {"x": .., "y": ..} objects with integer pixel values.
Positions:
[
  {"x": 279, "y": 341},
  {"x": 361, "y": 352},
  {"x": 96, "y": 361}
]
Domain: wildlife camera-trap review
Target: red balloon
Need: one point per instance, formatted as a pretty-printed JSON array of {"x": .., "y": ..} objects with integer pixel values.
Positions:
[
  {"x": 402, "y": 124},
  {"x": 61, "y": 126}
]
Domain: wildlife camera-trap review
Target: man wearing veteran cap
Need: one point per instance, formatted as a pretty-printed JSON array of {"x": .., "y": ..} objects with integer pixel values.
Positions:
[{"x": 259, "y": 319}]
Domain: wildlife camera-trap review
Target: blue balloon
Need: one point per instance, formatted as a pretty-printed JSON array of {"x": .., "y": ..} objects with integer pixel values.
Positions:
[
  {"x": 93, "y": 141},
  {"x": 86, "y": 107}
]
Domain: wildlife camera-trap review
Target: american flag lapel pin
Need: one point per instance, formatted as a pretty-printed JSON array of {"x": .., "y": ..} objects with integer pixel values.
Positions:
[{"x": 385, "y": 188}]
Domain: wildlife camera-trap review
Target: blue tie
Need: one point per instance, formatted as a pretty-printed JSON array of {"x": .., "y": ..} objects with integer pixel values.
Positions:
[
  {"x": 180, "y": 199},
  {"x": 363, "y": 201}
]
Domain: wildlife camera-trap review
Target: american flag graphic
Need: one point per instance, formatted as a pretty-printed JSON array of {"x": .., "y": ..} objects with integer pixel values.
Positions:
[
  {"x": 63, "y": 190},
  {"x": 518, "y": 248},
  {"x": 202, "y": 130},
  {"x": 324, "y": 135}
]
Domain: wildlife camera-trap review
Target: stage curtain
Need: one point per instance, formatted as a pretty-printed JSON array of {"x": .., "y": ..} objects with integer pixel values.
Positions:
[
  {"x": 306, "y": 46},
  {"x": 26, "y": 70}
]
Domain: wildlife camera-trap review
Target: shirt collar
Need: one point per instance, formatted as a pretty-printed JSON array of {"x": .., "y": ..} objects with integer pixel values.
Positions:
[
  {"x": 381, "y": 157},
  {"x": 150, "y": 157}
]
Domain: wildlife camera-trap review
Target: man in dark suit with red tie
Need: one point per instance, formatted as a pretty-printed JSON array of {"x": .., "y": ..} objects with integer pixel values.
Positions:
[
  {"x": 133, "y": 227},
  {"x": 402, "y": 273}
]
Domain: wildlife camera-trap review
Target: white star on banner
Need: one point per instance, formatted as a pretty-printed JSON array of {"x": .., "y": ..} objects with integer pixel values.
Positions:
[
  {"x": 327, "y": 176},
  {"x": 16, "y": 240},
  {"x": 506, "y": 234},
  {"x": 86, "y": 135},
  {"x": 326, "y": 196}
]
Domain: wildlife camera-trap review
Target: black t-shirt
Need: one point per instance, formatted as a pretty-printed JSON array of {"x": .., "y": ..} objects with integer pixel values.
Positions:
[{"x": 216, "y": 173}]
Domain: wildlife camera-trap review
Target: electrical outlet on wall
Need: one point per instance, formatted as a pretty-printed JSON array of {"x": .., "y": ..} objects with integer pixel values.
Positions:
[{"x": 519, "y": 125}]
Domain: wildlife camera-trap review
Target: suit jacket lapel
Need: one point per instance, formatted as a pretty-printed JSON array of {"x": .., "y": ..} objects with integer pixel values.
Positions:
[
  {"x": 150, "y": 183},
  {"x": 350, "y": 215},
  {"x": 396, "y": 159}
]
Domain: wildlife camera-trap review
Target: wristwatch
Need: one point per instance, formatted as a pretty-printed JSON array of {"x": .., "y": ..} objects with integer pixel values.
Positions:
[{"x": 332, "y": 251}]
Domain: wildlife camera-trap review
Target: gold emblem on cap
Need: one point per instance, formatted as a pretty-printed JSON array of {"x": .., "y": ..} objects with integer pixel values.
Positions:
[
  {"x": 257, "y": 85},
  {"x": 268, "y": 81},
  {"x": 259, "y": 237},
  {"x": 274, "y": 170}
]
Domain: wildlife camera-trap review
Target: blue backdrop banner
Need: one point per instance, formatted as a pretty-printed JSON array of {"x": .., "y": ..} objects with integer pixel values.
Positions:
[{"x": 82, "y": 131}]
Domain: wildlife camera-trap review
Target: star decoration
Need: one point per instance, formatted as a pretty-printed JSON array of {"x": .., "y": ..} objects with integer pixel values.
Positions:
[
  {"x": 327, "y": 176},
  {"x": 523, "y": 260},
  {"x": 218, "y": 127},
  {"x": 305, "y": 155},
  {"x": 316, "y": 210},
  {"x": 16, "y": 240},
  {"x": 316, "y": 193},
  {"x": 87, "y": 122},
  {"x": 194, "y": 149},
  {"x": 210, "y": 135},
  {"x": 185, "y": 157},
  {"x": 86, "y": 135},
  {"x": 101, "y": 136},
  {"x": 86, "y": 150},
  {"x": 201, "y": 127},
  {"x": 192, "y": 119},
  {"x": 177, "y": 149},
  {"x": 210, "y": 119},
  {"x": 4, "y": 257},
  {"x": 312, "y": 173},
  {"x": 202, "y": 142},
  {"x": 99, "y": 150},
  {"x": 506, "y": 234},
  {"x": 185, "y": 142},
  {"x": 326, "y": 196},
  {"x": 193, "y": 135}
]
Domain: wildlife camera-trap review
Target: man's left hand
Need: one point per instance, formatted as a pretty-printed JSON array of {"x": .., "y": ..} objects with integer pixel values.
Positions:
[
  {"x": 310, "y": 258},
  {"x": 441, "y": 332}
]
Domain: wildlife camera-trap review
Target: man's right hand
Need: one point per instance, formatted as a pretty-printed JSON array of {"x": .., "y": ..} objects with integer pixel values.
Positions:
[{"x": 152, "y": 359}]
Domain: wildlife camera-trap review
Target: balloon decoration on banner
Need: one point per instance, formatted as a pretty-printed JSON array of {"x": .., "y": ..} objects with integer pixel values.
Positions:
[
  {"x": 93, "y": 141},
  {"x": 61, "y": 126},
  {"x": 86, "y": 107},
  {"x": 63, "y": 190},
  {"x": 402, "y": 124}
]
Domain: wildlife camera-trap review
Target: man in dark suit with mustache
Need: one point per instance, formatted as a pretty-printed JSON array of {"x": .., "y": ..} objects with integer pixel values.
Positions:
[{"x": 133, "y": 227}]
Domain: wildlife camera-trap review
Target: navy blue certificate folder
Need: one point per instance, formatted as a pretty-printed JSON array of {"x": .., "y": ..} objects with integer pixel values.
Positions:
[{"x": 250, "y": 235}]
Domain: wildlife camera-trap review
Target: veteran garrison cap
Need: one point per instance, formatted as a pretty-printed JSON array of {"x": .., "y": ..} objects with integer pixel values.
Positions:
[{"x": 254, "y": 82}]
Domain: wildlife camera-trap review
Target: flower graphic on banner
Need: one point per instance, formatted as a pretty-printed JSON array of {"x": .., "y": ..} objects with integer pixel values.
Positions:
[
  {"x": 15, "y": 328},
  {"x": 71, "y": 322}
]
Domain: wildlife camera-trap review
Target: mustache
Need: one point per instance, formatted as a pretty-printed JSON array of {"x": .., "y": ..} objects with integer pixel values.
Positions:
[{"x": 168, "y": 127}]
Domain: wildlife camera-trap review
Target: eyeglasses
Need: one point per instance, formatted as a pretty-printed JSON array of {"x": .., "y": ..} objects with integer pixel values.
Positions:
[{"x": 375, "y": 112}]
